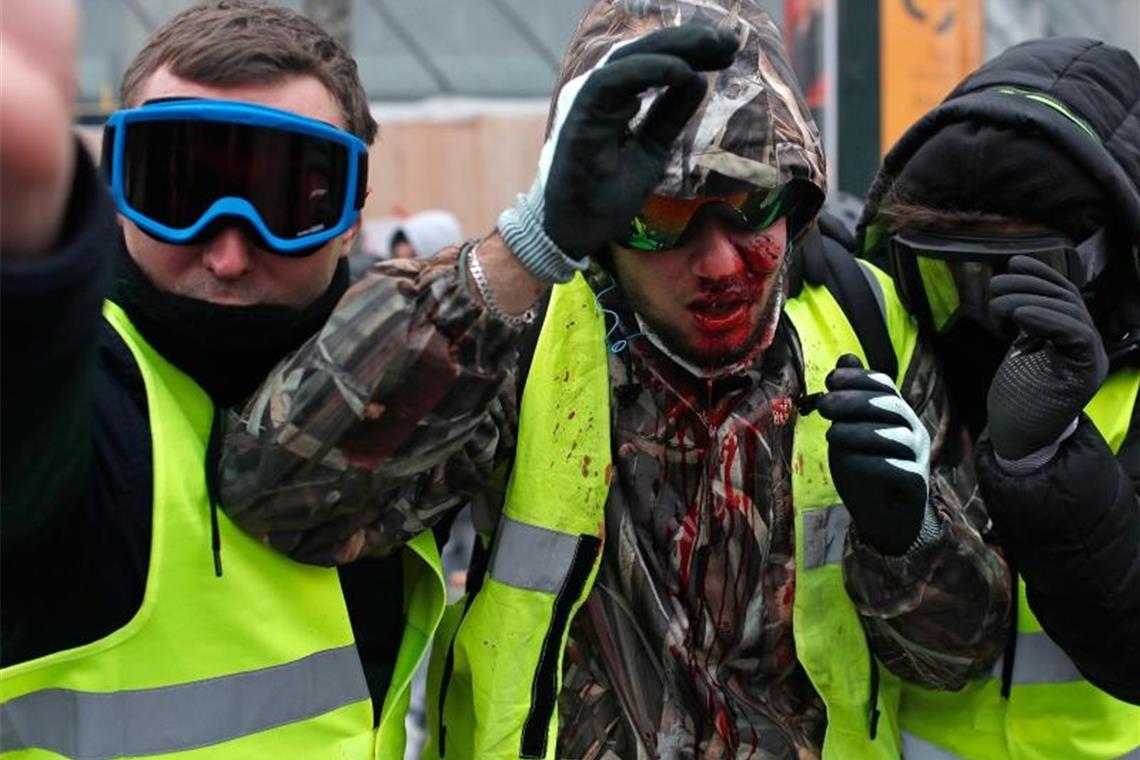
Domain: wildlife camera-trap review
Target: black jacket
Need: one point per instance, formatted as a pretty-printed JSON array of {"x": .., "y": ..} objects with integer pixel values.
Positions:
[{"x": 1072, "y": 528}]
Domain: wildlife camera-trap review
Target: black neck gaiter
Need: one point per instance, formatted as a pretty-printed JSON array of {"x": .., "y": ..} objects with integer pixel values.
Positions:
[{"x": 228, "y": 350}]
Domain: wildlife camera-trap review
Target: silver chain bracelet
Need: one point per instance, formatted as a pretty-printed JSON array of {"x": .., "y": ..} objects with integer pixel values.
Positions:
[{"x": 484, "y": 287}]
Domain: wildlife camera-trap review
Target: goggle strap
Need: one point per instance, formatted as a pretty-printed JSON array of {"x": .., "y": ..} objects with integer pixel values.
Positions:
[
  {"x": 1093, "y": 254},
  {"x": 361, "y": 181},
  {"x": 107, "y": 154}
]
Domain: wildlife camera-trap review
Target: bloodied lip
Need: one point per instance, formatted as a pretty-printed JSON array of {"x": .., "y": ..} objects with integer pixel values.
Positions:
[{"x": 720, "y": 314}]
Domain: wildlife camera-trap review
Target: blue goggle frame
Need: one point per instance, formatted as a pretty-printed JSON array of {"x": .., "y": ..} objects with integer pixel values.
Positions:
[{"x": 241, "y": 114}]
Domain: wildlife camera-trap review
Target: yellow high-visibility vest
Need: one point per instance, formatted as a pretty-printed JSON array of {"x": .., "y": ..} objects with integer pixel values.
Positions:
[
  {"x": 257, "y": 663},
  {"x": 1052, "y": 712},
  {"x": 497, "y": 664}
]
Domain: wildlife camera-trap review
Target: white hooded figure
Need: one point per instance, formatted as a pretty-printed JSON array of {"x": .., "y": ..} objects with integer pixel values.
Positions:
[{"x": 424, "y": 234}]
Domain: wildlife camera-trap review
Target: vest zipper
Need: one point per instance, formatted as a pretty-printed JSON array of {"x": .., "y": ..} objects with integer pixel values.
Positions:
[
  {"x": 873, "y": 704},
  {"x": 213, "y": 457},
  {"x": 1011, "y": 642},
  {"x": 874, "y": 714},
  {"x": 477, "y": 570}
]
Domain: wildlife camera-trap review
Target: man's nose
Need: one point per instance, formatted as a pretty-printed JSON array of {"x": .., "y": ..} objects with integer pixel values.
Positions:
[
  {"x": 229, "y": 254},
  {"x": 715, "y": 255}
]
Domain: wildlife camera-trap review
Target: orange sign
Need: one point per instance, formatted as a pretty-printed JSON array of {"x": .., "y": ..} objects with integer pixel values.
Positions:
[{"x": 927, "y": 47}]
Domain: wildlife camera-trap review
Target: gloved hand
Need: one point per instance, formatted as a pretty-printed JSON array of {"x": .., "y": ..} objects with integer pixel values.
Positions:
[
  {"x": 1054, "y": 367},
  {"x": 879, "y": 452},
  {"x": 595, "y": 173}
]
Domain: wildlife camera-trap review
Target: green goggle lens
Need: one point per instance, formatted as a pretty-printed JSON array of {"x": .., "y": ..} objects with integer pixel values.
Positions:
[{"x": 665, "y": 220}]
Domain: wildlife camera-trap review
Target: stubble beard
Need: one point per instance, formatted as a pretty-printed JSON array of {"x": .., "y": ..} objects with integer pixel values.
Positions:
[{"x": 738, "y": 353}]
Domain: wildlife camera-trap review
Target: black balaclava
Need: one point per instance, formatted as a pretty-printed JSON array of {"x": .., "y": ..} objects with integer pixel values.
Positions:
[{"x": 228, "y": 350}]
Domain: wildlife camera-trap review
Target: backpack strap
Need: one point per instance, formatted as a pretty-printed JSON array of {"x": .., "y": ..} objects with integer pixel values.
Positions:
[{"x": 831, "y": 263}]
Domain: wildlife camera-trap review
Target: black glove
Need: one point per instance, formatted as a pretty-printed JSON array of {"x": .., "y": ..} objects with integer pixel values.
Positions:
[
  {"x": 879, "y": 452},
  {"x": 1055, "y": 365},
  {"x": 601, "y": 173},
  {"x": 595, "y": 173}
]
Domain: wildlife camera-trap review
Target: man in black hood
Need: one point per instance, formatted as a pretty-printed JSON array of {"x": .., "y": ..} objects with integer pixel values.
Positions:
[{"x": 1010, "y": 216}]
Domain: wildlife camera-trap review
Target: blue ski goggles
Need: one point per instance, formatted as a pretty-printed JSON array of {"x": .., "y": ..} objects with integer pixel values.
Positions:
[{"x": 181, "y": 169}]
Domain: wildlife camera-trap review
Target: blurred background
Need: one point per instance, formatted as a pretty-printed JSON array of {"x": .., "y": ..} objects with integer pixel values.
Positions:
[{"x": 461, "y": 87}]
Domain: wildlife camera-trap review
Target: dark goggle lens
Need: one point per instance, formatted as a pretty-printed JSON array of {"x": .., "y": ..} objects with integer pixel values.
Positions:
[
  {"x": 664, "y": 220},
  {"x": 173, "y": 171},
  {"x": 957, "y": 286}
]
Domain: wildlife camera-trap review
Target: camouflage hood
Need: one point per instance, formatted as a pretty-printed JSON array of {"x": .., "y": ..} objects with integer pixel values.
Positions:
[{"x": 753, "y": 130}]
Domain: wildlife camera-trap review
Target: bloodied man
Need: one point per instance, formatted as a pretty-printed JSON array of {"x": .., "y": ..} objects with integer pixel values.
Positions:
[{"x": 675, "y": 558}]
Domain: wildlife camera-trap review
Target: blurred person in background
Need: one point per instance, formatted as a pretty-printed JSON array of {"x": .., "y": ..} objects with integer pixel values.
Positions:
[
  {"x": 425, "y": 234},
  {"x": 664, "y": 472},
  {"x": 418, "y": 236},
  {"x": 1011, "y": 218}
]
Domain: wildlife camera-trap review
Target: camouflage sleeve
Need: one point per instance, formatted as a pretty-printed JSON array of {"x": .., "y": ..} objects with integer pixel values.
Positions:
[
  {"x": 939, "y": 615},
  {"x": 388, "y": 418}
]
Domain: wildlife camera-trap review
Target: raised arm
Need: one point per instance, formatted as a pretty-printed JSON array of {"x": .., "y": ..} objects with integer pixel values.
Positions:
[{"x": 56, "y": 223}]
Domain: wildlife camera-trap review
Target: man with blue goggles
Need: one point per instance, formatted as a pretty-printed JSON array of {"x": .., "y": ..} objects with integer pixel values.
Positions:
[
  {"x": 238, "y": 171},
  {"x": 182, "y": 169}
]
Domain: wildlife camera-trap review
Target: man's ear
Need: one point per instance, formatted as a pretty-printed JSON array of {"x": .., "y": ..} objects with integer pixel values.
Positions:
[{"x": 348, "y": 237}]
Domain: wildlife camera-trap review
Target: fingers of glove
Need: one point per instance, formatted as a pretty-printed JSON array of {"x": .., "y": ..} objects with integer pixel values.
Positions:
[
  {"x": 845, "y": 379},
  {"x": 895, "y": 404},
  {"x": 1002, "y": 308},
  {"x": 849, "y": 361},
  {"x": 902, "y": 471},
  {"x": 860, "y": 406},
  {"x": 704, "y": 48},
  {"x": 1019, "y": 282},
  {"x": 1027, "y": 265},
  {"x": 669, "y": 114},
  {"x": 873, "y": 438},
  {"x": 613, "y": 91},
  {"x": 1071, "y": 335}
]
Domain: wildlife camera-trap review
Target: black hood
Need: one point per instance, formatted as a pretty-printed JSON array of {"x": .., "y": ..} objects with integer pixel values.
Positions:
[
  {"x": 1075, "y": 101},
  {"x": 1047, "y": 132}
]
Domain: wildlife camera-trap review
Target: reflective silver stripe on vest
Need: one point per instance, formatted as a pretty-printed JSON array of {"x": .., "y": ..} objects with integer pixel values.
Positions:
[
  {"x": 1038, "y": 660},
  {"x": 532, "y": 558},
  {"x": 825, "y": 530},
  {"x": 914, "y": 748},
  {"x": 90, "y": 725}
]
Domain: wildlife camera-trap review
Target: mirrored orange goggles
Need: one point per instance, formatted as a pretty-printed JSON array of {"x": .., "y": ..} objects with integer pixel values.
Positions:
[{"x": 665, "y": 220}]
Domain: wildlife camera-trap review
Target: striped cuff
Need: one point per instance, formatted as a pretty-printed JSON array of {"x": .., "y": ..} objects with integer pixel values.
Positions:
[
  {"x": 930, "y": 529},
  {"x": 521, "y": 228},
  {"x": 1037, "y": 459}
]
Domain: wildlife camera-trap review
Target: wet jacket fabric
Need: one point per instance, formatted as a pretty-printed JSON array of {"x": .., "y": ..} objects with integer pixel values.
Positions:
[{"x": 1072, "y": 528}]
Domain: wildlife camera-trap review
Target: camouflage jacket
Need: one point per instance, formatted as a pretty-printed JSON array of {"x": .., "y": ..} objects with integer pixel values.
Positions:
[{"x": 404, "y": 406}]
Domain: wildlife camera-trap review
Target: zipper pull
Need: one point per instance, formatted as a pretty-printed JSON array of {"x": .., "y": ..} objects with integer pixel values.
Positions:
[{"x": 807, "y": 403}]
